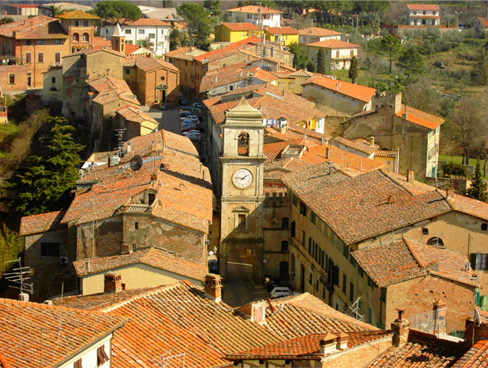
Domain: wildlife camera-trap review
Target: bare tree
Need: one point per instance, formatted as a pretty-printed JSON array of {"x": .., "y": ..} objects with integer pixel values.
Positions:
[{"x": 470, "y": 127}]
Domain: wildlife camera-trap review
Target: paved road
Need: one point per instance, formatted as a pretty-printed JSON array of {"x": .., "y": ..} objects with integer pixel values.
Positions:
[{"x": 168, "y": 119}]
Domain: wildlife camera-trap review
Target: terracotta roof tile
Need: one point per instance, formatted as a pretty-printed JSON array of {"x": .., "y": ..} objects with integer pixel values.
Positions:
[
  {"x": 40, "y": 223},
  {"x": 44, "y": 335},
  {"x": 281, "y": 30},
  {"x": 154, "y": 257},
  {"x": 476, "y": 357},
  {"x": 375, "y": 203},
  {"x": 177, "y": 318},
  {"x": 424, "y": 7},
  {"x": 132, "y": 113},
  {"x": 78, "y": 14},
  {"x": 419, "y": 117},
  {"x": 316, "y": 31},
  {"x": 356, "y": 91},
  {"x": 111, "y": 89},
  {"x": 254, "y": 9},
  {"x": 141, "y": 22},
  {"x": 241, "y": 26},
  {"x": 333, "y": 44},
  {"x": 214, "y": 54},
  {"x": 361, "y": 145},
  {"x": 484, "y": 21},
  {"x": 39, "y": 27}
]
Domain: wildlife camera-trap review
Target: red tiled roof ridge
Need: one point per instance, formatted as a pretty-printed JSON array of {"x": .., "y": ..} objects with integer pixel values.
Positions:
[
  {"x": 414, "y": 254},
  {"x": 138, "y": 296},
  {"x": 227, "y": 48},
  {"x": 54, "y": 307}
]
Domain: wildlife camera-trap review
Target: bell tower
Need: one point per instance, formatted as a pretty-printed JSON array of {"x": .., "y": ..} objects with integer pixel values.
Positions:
[
  {"x": 242, "y": 161},
  {"x": 118, "y": 40}
]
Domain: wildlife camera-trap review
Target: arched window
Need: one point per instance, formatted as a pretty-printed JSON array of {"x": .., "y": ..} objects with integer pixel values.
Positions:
[
  {"x": 435, "y": 241},
  {"x": 243, "y": 144},
  {"x": 76, "y": 37},
  {"x": 86, "y": 37}
]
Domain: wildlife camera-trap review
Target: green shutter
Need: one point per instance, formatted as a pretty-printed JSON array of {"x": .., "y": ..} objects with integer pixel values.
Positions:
[{"x": 473, "y": 260}]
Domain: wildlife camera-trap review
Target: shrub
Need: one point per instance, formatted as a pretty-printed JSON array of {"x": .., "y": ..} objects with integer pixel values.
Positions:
[{"x": 455, "y": 169}]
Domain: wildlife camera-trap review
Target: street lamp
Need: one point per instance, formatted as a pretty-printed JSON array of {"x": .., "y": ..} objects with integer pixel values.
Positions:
[{"x": 457, "y": 18}]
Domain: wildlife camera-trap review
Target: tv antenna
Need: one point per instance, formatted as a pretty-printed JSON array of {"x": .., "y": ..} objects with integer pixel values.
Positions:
[
  {"x": 354, "y": 309},
  {"x": 19, "y": 277},
  {"x": 165, "y": 359}
]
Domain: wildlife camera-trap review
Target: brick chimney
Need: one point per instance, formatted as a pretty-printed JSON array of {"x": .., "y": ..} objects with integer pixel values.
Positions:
[
  {"x": 213, "y": 287},
  {"x": 410, "y": 175},
  {"x": 400, "y": 329},
  {"x": 24, "y": 297},
  {"x": 342, "y": 340},
  {"x": 113, "y": 283},
  {"x": 87, "y": 265}
]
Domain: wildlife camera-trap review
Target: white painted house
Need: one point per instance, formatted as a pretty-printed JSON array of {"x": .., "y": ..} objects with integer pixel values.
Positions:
[
  {"x": 258, "y": 14},
  {"x": 337, "y": 53},
  {"x": 316, "y": 34},
  {"x": 423, "y": 15},
  {"x": 136, "y": 32}
]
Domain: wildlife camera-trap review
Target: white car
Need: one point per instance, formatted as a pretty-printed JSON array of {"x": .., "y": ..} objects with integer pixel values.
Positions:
[
  {"x": 282, "y": 291},
  {"x": 190, "y": 117},
  {"x": 193, "y": 135}
]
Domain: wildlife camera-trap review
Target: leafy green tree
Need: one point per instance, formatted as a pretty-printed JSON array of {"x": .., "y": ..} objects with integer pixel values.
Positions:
[
  {"x": 197, "y": 19},
  {"x": 321, "y": 61},
  {"x": 300, "y": 59},
  {"x": 146, "y": 42},
  {"x": 390, "y": 45},
  {"x": 6, "y": 20},
  {"x": 40, "y": 183},
  {"x": 478, "y": 186},
  {"x": 11, "y": 246},
  {"x": 411, "y": 61},
  {"x": 167, "y": 4},
  {"x": 116, "y": 9},
  {"x": 353, "y": 69},
  {"x": 264, "y": 3},
  {"x": 311, "y": 67},
  {"x": 56, "y": 11},
  {"x": 213, "y": 6},
  {"x": 177, "y": 39}
]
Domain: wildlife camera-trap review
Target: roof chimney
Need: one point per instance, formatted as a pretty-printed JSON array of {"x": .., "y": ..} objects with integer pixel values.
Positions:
[
  {"x": 342, "y": 341},
  {"x": 258, "y": 312},
  {"x": 331, "y": 167},
  {"x": 24, "y": 297},
  {"x": 371, "y": 141},
  {"x": 449, "y": 194},
  {"x": 410, "y": 175},
  {"x": 327, "y": 153},
  {"x": 213, "y": 287},
  {"x": 400, "y": 328},
  {"x": 87, "y": 265},
  {"x": 113, "y": 283}
]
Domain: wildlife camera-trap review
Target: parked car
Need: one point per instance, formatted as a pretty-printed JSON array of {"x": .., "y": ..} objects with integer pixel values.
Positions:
[
  {"x": 213, "y": 266},
  {"x": 190, "y": 121},
  {"x": 183, "y": 100},
  {"x": 194, "y": 135},
  {"x": 163, "y": 106},
  {"x": 198, "y": 105},
  {"x": 185, "y": 113},
  {"x": 187, "y": 108},
  {"x": 188, "y": 126},
  {"x": 281, "y": 291},
  {"x": 189, "y": 117}
]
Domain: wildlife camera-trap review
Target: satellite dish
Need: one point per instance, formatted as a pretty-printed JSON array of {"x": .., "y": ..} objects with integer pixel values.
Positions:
[
  {"x": 136, "y": 163},
  {"x": 477, "y": 316}
]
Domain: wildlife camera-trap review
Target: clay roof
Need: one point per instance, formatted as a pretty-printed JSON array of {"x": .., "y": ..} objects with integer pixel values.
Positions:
[
  {"x": 419, "y": 117},
  {"x": 484, "y": 21},
  {"x": 223, "y": 76},
  {"x": 361, "y": 145},
  {"x": 178, "y": 318},
  {"x": 241, "y": 26},
  {"x": 185, "y": 53},
  {"x": 126, "y": 22},
  {"x": 476, "y": 357},
  {"x": 254, "y": 9},
  {"x": 420, "y": 352},
  {"x": 38, "y": 27},
  {"x": 111, "y": 89},
  {"x": 78, "y": 14},
  {"x": 216, "y": 54},
  {"x": 183, "y": 186},
  {"x": 148, "y": 64},
  {"x": 41, "y": 223},
  {"x": 423, "y": 7},
  {"x": 412, "y": 259},
  {"x": 22, "y": 5},
  {"x": 132, "y": 113},
  {"x": 316, "y": 31},
  {"x": 355, "y": 91},
  {"x": 333, "y": 44},
  {"x": 129, "y": 49},
  {"x": 99, "y": 42},
  {"x": 374, "y": 203},
  {"x": 281, "y": 30},
  {"x": 154, "y": 257},
  {"x": 384, "y": 153},
  {"x": 43, "y": 335}
]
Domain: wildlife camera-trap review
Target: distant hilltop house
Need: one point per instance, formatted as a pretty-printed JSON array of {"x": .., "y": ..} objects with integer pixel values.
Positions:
[
  {"x": 21, "y": 9},
  {"x": 258, "y": 14},
  {"x": 46, "y": 9},
  {"x": 316, "y": 34},
  {"x": 423, "y": 15}
]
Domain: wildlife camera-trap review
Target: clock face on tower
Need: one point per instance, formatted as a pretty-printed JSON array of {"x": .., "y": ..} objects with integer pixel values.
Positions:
[{"x": 242, "y": 178}]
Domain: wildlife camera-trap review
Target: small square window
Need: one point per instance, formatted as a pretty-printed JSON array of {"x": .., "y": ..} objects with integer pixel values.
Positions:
[
  {"x": 152, "y": 35},
  {"x": 53, "y": 79},
  {"x": 484, "y": 227},
  {"x": 11, "y": 79},
  {"x": 40, "y": 42},
  {"x": 127, "y": 71},
  {"x": 28, "y": 43},
  {"x": 57, "y": 42},
  {"x": 242, "y": 222},
  {"x": 136, "y": 225},
  {"x": 85, "y": 23},
  {"x": 140, "y": 31},
  {"x": 128, "y": 31},
  {"x": 425, "y": 231}
]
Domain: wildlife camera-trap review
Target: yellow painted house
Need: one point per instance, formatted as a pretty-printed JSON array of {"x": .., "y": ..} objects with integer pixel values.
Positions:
[
  {"x": 282, "y": 35},
  {"x": 292, "y": 81},
  {"x": 234, "y": 32}
]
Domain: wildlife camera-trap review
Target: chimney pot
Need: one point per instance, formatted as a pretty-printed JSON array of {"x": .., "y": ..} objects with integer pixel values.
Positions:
[
  {"x": 213, "y": 287},
  {"x": 24, "y": 297},
  {"x": 400, "y": 329},
  {"x": 371, "y": 141},
  {"x": 410, "y": 175},
  {"x": 87, "y": 265}
]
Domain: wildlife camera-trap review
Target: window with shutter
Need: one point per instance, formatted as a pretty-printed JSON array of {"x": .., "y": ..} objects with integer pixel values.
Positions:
[{"x": 102, "y": 356}]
